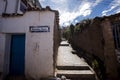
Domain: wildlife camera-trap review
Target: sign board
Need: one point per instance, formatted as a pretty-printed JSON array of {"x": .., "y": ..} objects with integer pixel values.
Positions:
[{"x": 39, "y": 29}]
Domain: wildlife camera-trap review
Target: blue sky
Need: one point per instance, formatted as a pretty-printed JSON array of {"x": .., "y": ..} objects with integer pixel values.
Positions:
[{"x": 73, "y": 11}]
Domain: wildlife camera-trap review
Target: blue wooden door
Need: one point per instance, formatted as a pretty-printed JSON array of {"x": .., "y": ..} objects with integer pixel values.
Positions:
[{"x": 17, "y": 57}]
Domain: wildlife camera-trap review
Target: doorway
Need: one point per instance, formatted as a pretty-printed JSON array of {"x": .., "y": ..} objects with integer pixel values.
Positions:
[{"x": 17, "y": 55}]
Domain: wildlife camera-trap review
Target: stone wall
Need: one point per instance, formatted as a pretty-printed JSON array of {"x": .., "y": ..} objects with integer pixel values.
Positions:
[
  {"x": 90, "y": 39},
  {"x": 97, "y": 39},
  {"x": 109, "y": 50},
  {"x": 56, "y": 38}
]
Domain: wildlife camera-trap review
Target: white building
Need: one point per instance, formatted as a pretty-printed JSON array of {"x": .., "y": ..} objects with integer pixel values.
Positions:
[{"x": 28, "y": 39}]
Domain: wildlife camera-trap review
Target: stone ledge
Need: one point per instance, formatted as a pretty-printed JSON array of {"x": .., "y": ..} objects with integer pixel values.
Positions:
[
  {"x": 87, "y": 74},
  {"x": 82, "y": 67}
]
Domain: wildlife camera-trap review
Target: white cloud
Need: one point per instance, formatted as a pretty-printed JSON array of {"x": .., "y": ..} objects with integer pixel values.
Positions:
[
  {"x": 118, "y": 10},
  {"x": 76, "y": 21},
  {"x": 96, "y": 2},
  {"x": 41, "y": 0},
  {"x": 114, "y": 4},
  {"x": 83, "y": 10},
  {"x": 66, "y": 24},
  {"x": 105, "y": 11},
  {"x": 58, "y": 1},
  {"x": 71, "y": 9}
]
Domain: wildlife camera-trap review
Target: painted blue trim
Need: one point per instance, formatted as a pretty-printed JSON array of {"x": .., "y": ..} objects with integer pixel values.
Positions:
[{"x": 17, "y": 58}]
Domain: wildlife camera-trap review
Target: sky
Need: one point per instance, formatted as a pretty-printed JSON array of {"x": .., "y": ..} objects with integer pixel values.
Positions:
[{"x": 73, "y": 11}]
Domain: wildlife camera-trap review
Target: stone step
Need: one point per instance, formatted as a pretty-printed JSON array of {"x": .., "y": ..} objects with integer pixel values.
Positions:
[
  {"x": 82, "y": 67},
  {"x": 76, "y": 74}
]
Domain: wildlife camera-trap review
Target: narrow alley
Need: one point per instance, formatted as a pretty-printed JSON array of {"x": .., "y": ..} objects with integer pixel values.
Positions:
[
  {"x": 71, "y": 66},
  {"x": 34, "y": 34}
]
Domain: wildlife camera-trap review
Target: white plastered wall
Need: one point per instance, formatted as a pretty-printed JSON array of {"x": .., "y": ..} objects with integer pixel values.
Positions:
[
  {"x": 2, "y": 50},
  {"x": 39, "y": 46}
]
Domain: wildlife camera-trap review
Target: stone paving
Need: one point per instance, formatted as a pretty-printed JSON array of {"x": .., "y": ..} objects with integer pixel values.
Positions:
[
  {"x": 72, "y": 66},
  {"x": 66, "y": 57}
]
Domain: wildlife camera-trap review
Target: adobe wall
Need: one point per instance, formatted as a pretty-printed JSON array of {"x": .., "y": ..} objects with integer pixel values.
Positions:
[
  {"x": 97, "y": 39},
  {"x": 109, "y": 50},
  {"x": 90, "y": 39}
]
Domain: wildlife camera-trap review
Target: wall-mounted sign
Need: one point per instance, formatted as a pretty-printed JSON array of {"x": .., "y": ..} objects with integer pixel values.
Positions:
[{"x": 39, "y": 29}]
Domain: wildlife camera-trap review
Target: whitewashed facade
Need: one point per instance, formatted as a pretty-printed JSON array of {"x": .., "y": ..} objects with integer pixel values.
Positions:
[{"x": 38, "y": 59}]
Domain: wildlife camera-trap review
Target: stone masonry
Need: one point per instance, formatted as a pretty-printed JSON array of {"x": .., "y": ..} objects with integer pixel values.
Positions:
[{"x": 97, "y": 39}]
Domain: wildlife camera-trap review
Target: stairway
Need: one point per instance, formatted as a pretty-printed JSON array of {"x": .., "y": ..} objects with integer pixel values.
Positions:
[
  {"x": 75, "y": 72},
  {"x": 71, "y": 66}
]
